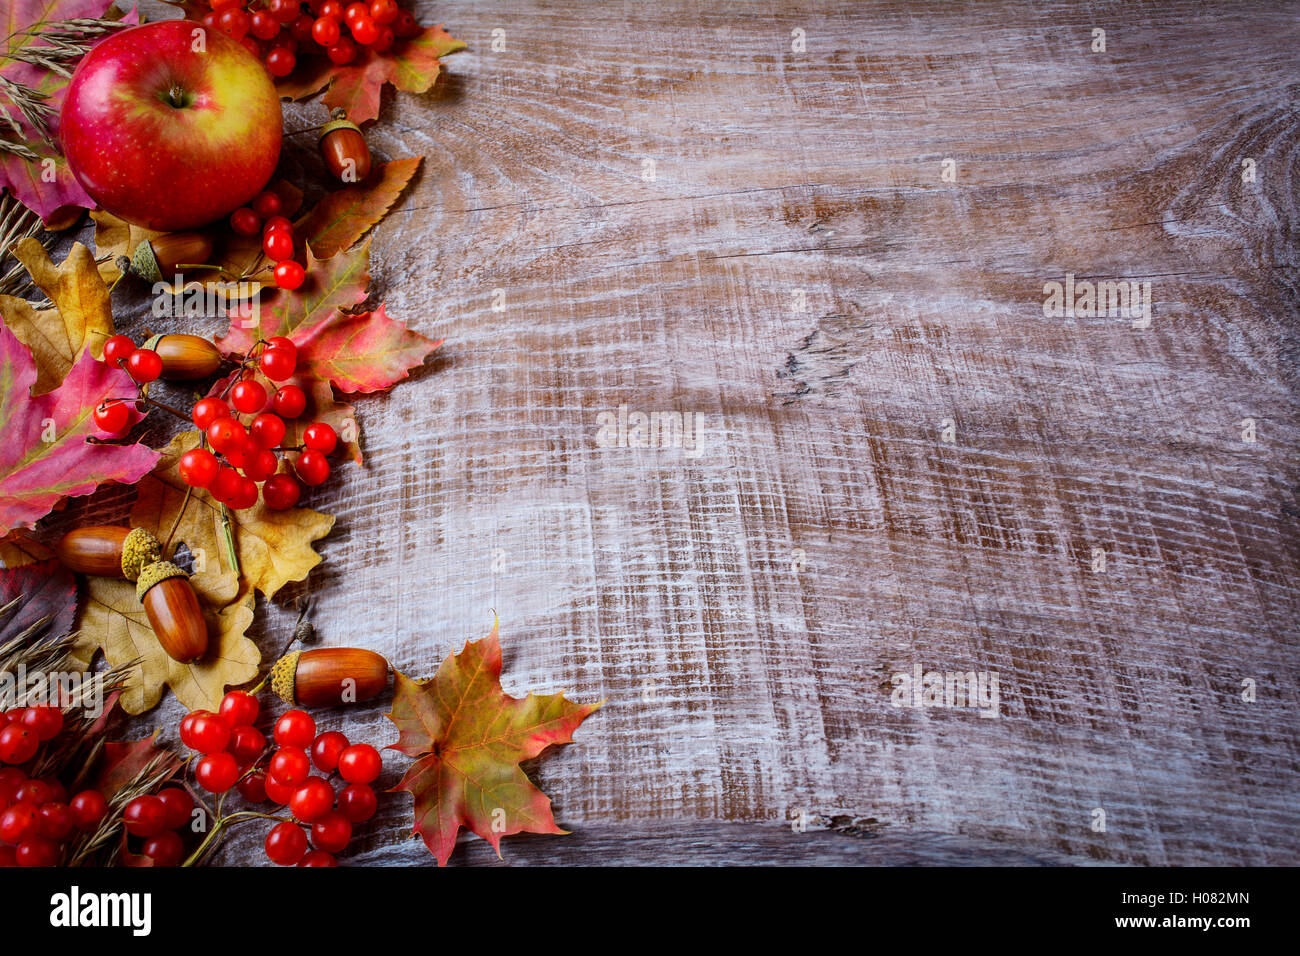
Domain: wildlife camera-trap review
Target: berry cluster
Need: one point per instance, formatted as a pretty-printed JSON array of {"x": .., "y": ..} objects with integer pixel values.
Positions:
[
  {"x": 279, "y": 32},
  {"x": 36, "y": 817},
  {"x": 143, "y": 365},
  {"x": 265, "y": 215},
  {"x": 242, "y": 455},
  {"x": 156, "y": 818},
  {"x": 234, "y": 755}
]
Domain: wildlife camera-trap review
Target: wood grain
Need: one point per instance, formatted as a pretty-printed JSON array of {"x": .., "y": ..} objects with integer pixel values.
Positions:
[{"x": 743, "y": 610}]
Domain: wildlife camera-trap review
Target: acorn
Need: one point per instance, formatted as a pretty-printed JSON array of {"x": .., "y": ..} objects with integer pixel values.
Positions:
[
  {"x": 173, "y": 611},
  {"x": 344, "y": 149},
  {"x": 162, "y": 257},
  {"x": 109, "y": 551},
  {"x": 329, "y": 676},
  {"x": 185, "y": 357}
]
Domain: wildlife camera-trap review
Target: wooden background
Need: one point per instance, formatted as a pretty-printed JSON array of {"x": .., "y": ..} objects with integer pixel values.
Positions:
[{"x": 743, "y": 611}]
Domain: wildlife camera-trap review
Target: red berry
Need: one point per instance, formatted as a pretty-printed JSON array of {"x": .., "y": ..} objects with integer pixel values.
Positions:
[
  {"x": 118, "y": 347},
  {"x": 325, "y": 31},
  {"x": 325, "y": 751},
  {"x": 253, "y": 45},
  {"x": 281, "y": 492},
  {"x": 111, "y": 417},
  {"x": 364, "y": 30},
  {"x": 286, "y": 844},
  {"x": 331, "y": 832},
  {"x": 198, "y": 467},
  {"x": 233, "y": 22},
  {"x": 244, "y": 495},
  {"x": 343, "y": 52},
  {"x": 267, "y": 429},
  {"x": 384, "y": 42},
  {"x": 248, "y": 396},
  {"x": 289, "y": 275},
  {"x": 312, "y": 467},
  {"x": 281, "y": 793},
  {"x": 44, "y": 721},
  {"x": 144, "y": 365},
  {"x": 261, "y": 465},
  {"x": 318, "y": 858},
  {"x": 295, "y": 729},
  {"x": 208, "y": 734},
  {"x": 210, "y": 20},
  {"x": 217, "y": 773},
  {"x": 246, "y": 744},
  {"x": 360, "y": 763},
  {"x": 88, "y": 809},
  {"x": 332, "y": 8},
  {"x": 226, "y": 485},
  {"x": 353, "y": 11},
  {"x": 300, "y": 29},
  {"x": 320, "y": 436},
  {"x": 312, "y": 800},
  {"x": 165, "y": 849},
  {"x": 277, "y": 363},
  {"x": 145, "y": 816},
  {"x": 289, "y": 401},
  {"x": 278, "y": 244},
  {"x": 405, "y": 25},
  {"x": 383, "y": 11},
  {"x": 34, "y": 791},
  {"x": 37, "y": 851},
  {"x": 283, "y": 10},
  {"x": 239, "y": 708},
  {"x": 208, "y": 410},
  {"x": 225, "y": 434},
  {"x": 280, "y": 62},
  {"x": 178, "y": 804},
  {"x": 276, "y": 224},
  {"x": 263, "y": 26},
  {"x": 358, "y": 802},
  {"x": 290, "y": 765},
  {"x": 54, "y": 820},
  {"x": 245, "y": 222},
  {"x": 268, "y": 204},
  {"x": 219, "y": 5},
  {"x": 253, "y": 787},
  {"x": 18, "y": 822},
  {"x": 17, "y": 745}
]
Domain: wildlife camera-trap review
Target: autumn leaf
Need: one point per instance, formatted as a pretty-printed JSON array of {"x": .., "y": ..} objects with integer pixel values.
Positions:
[
  {"x": 125, "y": 760},
  {"x": 115, "y": 621},
  {"x": 411, "y": 65},
  {"x": 19, "y": 548},
  {"x": 344, "y": 216},
  {"x": 44, "y": 589},
  {"x": 45, "y": 455},
  {"x": 82, "y": 317},
  {"x": 361, "y": 352},
  {"x": 274, "y": 547},
  {"x": 470, "y": 737}
]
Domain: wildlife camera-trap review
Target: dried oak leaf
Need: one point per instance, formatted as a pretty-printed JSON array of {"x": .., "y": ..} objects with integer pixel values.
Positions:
[
  {"x": 274, "y": 547},
  {"x": 45, "y": 455},
  {"x": 469, "y": 737},
  {"x": 114, "y": 620},
  {"x": 411, "y": 65},
  {"x": 82, "y": 317},
  {"x": 357, "y": 352},
  {"x": 344, "y": 216}
]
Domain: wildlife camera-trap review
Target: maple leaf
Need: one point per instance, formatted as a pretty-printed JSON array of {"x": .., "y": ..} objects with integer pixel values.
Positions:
[
  {"x": 411, "y": 65},
  {"x": 344, "y": 216},
  {"x": 20, "y": 26},
  {"x": 82, "y": 317},
  {"x": 114, "y": 620},
  {"x": 45, "y": 455},
  {"x": 357, "y": 352},
  {"x": 470, "y": 737},
  {"x": 274, "y": 547}
]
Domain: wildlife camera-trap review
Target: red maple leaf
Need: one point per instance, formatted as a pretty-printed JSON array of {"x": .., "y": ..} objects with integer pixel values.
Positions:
[
  {"x": 470, "y": 737},
  {"x": 357, "y": 352},
  {"x": 46, "y": 455}
]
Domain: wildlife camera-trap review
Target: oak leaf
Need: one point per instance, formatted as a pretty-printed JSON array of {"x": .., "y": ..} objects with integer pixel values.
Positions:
[
  {"x": 82, "y": 317},
  {"x": 411, "y": 65},
  {"x": 345, "y": 215},
  {"x": 356, "y": 351},
  {"x": 469, "y": 737},
  {"x": 46, "y": 455},
  {"x": 114, "y": 620},
  {"x": 273, "y": 547}
]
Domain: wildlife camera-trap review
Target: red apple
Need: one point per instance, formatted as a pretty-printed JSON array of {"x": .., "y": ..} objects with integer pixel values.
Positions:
[{"x": 170, "y": 125}]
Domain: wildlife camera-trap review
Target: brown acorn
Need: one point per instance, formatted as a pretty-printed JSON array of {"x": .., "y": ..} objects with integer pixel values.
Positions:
[
  {"x": 109, "y": 551},
  {"x": 329, "y": 676},
  {"x": 185, "y": 357},
  {"x": 173, "y": 611},
  {"x": 162, "y": 257},
  {"x": 344, "y": 149}
]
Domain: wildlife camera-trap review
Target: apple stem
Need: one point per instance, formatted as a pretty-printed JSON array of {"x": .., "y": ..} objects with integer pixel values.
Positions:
[{"x": 176, "y": 96}]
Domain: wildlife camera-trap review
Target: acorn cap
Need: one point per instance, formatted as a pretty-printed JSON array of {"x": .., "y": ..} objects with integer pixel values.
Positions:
[
  {"x": 139, "y": 549},
  {"x": 153, "y": 574},
  {"x": 144, "y": 262},
  {"x": 339, "y": 120},
  {"x": 282, "y": 676}
]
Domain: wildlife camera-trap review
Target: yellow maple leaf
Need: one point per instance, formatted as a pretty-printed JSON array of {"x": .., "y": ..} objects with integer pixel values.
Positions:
[{"x": 273, "y": 547}]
